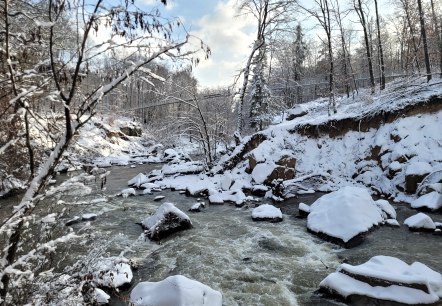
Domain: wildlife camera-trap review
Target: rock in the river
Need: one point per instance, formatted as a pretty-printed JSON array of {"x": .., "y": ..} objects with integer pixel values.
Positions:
[
  {"x": 197, "y": 207},
  {"x": 175, "y": 290},
  {"x": 138, "y": 180},
  {"x": 159, "y": 198},
  {"x": 167, "y": 220},
  {"x": 112, "y": 272},
  {"x": 259, "y": 190},
  {"x": 267, "y": 212},
  {"x": 190, "y": 167},
  {"x": 73, "y": 221},
  {"x": 431, "y": 201},
  {"x": 388, "y": 211},
  {"x": 128, "y": 192},
  {"x": 344, "y": 216},
  {"x": 385, "y": 278},
  {"x": 420, "y": 222},
  {"x": 303, "y": 209},
  {"x": 88, "y": 217}
]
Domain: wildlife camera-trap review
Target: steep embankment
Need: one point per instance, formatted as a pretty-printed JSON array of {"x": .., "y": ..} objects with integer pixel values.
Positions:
[{"x": 390, "y": 143}]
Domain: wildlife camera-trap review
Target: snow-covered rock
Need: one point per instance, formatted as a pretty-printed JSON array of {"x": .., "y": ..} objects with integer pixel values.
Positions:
[
  {"x": 386, "y": 278},
  {"x": 112, "y": 272},
  {"x": 259, "y": 190},
  {"x": 128, "y": 192},
  {"x": 88, "y": 217},
  {"x": 101, "y": 297},
  {"x": 138, "y": 180},
  {"x": 392, "y": 222},
  {"x": 414, "y": 174},
  {"x": 388, "y": 211},
  {"x": 159, "y": 198},
  {"x": 150, "y": 186},
  {"x": 267, "y": 212},
  {"x": 175, "y": 290},
  {"x": 216, "y": 199},
  {"x": 197, "y": 207},
  {"x": 183, "y": 168},
  {"x": 343, "y": 216},
  {"x": 303, "y": 209},
  {"x": 167, "y": 220},
  {"x": 432, "y": 201},
  {"x": 420, "y": 222}
]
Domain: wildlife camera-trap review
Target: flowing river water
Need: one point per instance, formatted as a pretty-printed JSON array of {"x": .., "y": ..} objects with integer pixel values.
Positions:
[{"x": 251, "y": 263}]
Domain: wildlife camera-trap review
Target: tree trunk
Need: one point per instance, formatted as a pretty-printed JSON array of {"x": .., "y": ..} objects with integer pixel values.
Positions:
[
  {"x": 437, "y": 31},
  {"x": 424, "y": 38},
  {"x": 381, "y": 53},
  {"x": 367, "y": 45}
]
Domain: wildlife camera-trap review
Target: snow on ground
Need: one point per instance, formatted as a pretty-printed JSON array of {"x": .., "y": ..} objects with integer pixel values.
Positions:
[
  {"x": 409, "y": 284},
  {"x": 344, "y": 214}
]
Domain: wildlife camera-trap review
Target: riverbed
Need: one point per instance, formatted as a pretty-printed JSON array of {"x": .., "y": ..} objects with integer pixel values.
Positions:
[{"x": 251, "y": 263}]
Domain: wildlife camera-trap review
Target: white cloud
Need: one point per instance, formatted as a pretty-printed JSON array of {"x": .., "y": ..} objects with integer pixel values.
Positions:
[{"x": 229, "y": 38}]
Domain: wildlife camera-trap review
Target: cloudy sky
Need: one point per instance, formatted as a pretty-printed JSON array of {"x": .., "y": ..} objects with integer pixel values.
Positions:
[{"x": 217, "y": 23}]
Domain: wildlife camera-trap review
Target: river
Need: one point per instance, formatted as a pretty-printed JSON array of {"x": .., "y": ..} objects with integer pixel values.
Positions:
[{"x": 251, "y": 263}]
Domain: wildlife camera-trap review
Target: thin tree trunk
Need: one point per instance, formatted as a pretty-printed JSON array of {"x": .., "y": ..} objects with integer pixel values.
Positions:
[
  {"x": 367, "y": 45},
  {"x": 424, "y": 38},
  {"x": 437, "y": 31},
  {"x": 381, "y": 52}
]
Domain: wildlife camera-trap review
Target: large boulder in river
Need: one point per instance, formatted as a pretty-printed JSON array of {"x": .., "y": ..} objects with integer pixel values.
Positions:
[
  {"x": 175, "y": 290},
  {"x": 344, "y": 216},
  {"x": 431, "y": 201},
  {"x": 267, "y": 212},
  {"x": 420, "y": 223},
  {"x": 385, "y": 278},
  {"x": 167, "y": 220}
]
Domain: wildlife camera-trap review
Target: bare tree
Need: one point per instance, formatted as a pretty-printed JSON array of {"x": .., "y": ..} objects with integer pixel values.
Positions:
[
  {"x": 424, "y": 39},
  {"x": 380, "y": 50},
  {"x": 142, "y": 32},
  {"x": 362, "y": 18}
]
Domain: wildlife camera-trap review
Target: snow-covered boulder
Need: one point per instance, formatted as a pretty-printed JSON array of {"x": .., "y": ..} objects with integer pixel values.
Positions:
[
  {"x": 343, "y": 216},
  {"x": 175, "y": 290},
  {"x": 170, "y": 154},
  {"x": 138, "y": 180},
  {"x": 267, "y": 212},
  {"x": 167, "y": 220},
  {"x": 159, "y": 198},
  {"x": 431, "y": 201},
  {"x": 101, "y": 297},
  {"x": 197, "y": 207},
  {"x": 303, "y": 210},
  {"x": 88, "y": 217},
  {"x": 420, "y": 222},
  {"x": 259, "y": 190},
  {"x": 183, "y": 168},
  {"x": 265, "y": 173},
  {"x": 112, "y": 272},
  {"x": 386, "y": 278},
  {"x": 128, "y": 192},
  {"x": 216, "y": 199},
  {"x": 414, "y": 174},
  {"x": 387, "y": 210}
]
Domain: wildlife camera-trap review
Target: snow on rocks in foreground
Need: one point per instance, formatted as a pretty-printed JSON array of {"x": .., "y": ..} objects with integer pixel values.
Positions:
[
  {"x": 167, "y": 220},
  {"x": 175, "y": 290},
  {"x": 267, "y": 212},
  {"x": 386, "y": 278},
  {"x": 112, "y": 272},
  {"x": 420, "y": 222},
  {"x": 432, "y": 201},
  {"x": 344, "y": 215}
]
